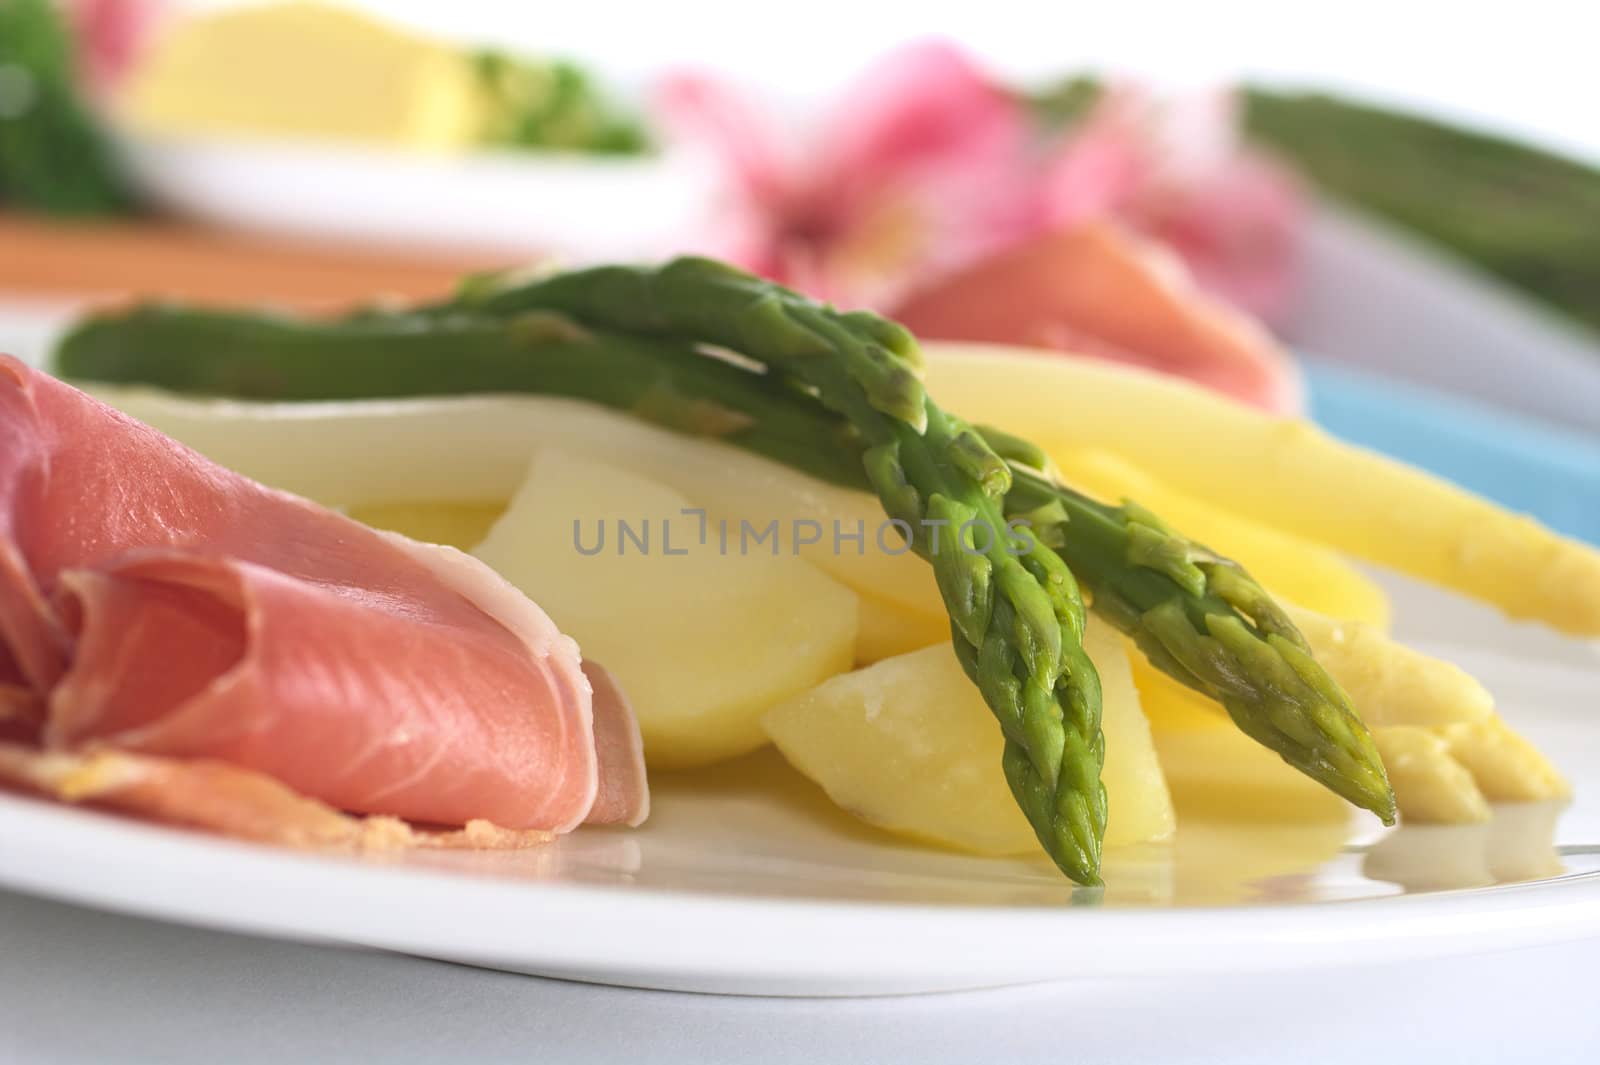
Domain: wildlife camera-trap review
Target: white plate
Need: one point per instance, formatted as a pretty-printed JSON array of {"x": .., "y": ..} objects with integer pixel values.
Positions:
[
  {"x": 1373, "y": 296},
  {"x": 749, "y": 882},
  {"x": 757, "y": 885},
  {"x": 519, "y": 203}
]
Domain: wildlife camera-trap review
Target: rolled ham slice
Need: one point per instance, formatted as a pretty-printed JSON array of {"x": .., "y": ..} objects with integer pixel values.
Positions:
[
  {"x": 179, "y": 641},
  {"x": 1097, "y": 290}
]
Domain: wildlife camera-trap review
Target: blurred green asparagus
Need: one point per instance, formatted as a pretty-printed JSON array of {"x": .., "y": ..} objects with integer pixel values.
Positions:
[
  {"x": 53, "y": 157},
  {"x": 255, "y": 355},
  {"x": 551, "y": 105},
  {"x": 837, "y": 396},
  {"x": 1529, "y": 217}
]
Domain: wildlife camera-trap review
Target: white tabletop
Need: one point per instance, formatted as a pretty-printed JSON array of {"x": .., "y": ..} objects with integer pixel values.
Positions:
[{"x": 87, "y": 986}]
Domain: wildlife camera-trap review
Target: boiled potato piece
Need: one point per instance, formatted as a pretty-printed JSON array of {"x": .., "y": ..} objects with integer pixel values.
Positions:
[
  {"x": 703, "y": 642},
  {"x": 459, "y": 525},
  {"x": 908, "y": 745},
  {"x": 1282, "y": 472},
  {"x": 888, "y": 630}
]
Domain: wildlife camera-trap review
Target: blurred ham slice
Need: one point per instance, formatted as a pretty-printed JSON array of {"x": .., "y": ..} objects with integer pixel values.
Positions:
[
  {"x": 179, "y": 641},
  {"x": 1095, "y": 290}
]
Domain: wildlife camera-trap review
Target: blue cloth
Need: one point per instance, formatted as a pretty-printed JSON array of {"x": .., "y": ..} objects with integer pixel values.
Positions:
[{"x": 1552, "y": 473}]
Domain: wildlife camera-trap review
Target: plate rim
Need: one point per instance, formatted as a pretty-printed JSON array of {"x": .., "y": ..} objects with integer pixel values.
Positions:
[{"x": 705, "y": 941}]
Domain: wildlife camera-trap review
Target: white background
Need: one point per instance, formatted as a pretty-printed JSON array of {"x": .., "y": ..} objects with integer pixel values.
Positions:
[{"x": 1529, "y": 67}]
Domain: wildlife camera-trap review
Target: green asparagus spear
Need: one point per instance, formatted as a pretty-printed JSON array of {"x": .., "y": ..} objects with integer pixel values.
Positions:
[
  {"x": 1015, "y": 613},
  {"x": 256, "y": 355},
  {"x": 550, "y": 105},
  {"x": 53, "y": 157},
  {"x": 1530, "y": 217},
  {"x": 1207, "y": 623},
  {"x": 1198, "y": 616},
  {"x": 1203, "y": 620}
]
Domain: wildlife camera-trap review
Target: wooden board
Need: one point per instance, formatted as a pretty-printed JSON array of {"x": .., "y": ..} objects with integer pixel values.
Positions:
[{"x": 99, "y": 260}]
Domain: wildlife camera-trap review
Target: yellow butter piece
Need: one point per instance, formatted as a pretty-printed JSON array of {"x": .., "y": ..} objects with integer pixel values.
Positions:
[{"x": 304, "y": 70}]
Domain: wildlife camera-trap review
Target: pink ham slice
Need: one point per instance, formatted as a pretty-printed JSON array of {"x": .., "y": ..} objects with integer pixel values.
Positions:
[
  {"x": 624, "y": 797},
  {"x": 21, "y": 710},
  {"x": 224, "y": 798},
  {"x": 241, "y": 648},
  {"x": 1096, "y": 290}
]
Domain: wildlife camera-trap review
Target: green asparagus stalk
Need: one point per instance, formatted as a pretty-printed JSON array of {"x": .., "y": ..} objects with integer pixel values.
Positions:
[
  {"x": 1203, "y": 620},
  {"x": 1196, "y": 615},
  {"x": 1015, "y": 612},
  {"x": 53, "y": 156},
  {"x": 1527, "y": 216},
  {"x": 258, "y": 355}
]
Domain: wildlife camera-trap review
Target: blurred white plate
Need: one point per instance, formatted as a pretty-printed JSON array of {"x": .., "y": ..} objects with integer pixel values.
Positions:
[
  {"x": 748, "y": 882},
  {"x": 1378, "y": 298},
  {"x": 520, "y": 203}
]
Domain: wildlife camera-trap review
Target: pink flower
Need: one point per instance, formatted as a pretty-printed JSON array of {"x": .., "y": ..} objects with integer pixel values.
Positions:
[
  {"x": 921, "y": 167},
  {"x": 1175, "y": 170},
  {"x": 1095, "y": 289},
  {"x": 110, "y": 35},
  {"x": 929, "y": 193}
]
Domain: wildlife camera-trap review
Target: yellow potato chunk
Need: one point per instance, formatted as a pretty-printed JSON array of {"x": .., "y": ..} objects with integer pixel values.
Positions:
[
  {"x": 459, "y": 525},
  {"x": 888, "y": 629},
  {"x": 908, "y": 745},
  {"x": 703, "y": 641}
]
